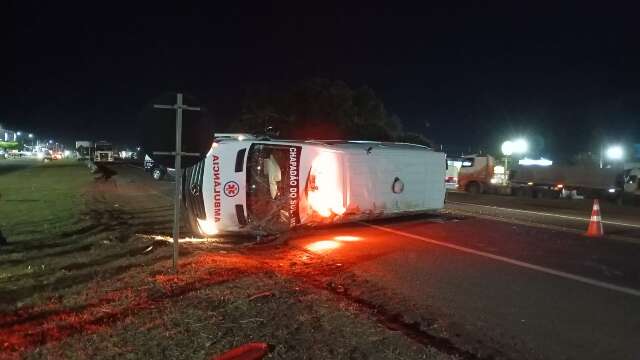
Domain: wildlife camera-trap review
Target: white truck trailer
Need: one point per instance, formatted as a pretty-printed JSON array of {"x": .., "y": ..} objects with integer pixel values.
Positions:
[{"x": 246, "y": 185}]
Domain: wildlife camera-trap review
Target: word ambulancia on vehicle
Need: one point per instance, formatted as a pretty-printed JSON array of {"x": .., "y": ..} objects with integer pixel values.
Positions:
[{"x": 217, "y": 200}]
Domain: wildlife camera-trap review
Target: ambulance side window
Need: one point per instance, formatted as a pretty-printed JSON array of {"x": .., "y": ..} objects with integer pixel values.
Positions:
[{"x": 240, "y": 160}]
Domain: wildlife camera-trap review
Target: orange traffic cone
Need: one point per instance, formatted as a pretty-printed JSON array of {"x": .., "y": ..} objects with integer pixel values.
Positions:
[{"x": 595, "y": 225}]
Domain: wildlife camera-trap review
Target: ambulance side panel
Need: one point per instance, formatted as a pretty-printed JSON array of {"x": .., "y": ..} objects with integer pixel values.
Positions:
[{"x": 371, "y": 176}]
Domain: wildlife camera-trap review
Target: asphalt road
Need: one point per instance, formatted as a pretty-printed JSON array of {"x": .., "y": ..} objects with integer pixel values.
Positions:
[
  {"x": 619, "y": 222},
  {"x": 499, "y": 277}
]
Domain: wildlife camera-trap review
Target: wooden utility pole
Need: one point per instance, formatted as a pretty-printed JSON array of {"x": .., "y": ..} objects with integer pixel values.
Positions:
[{"x": 178, "y": 106}]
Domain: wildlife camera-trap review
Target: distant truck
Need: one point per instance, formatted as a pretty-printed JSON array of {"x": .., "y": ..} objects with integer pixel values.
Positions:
[
  {"x": 478, "y": 175},
  {"x": 84, "y": 149},
  {"x": 103, "y": 151}
]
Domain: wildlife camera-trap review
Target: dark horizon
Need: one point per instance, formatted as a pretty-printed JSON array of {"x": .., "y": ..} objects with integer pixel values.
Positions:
[{"x": 565, "y": 76}]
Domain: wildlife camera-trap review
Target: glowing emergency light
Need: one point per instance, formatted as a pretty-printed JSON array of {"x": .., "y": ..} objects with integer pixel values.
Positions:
[
  {"x": 347, "y": 238},
  {"x": 322, "y": 246},
  {"x": 325, "y": 193}
]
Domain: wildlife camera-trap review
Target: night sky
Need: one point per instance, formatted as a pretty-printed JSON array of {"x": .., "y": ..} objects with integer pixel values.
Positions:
[{"x": 566, "y": 76}]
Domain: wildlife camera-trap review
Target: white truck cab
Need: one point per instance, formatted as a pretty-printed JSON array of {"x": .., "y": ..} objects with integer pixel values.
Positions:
[{"x": 253, "y": 186}]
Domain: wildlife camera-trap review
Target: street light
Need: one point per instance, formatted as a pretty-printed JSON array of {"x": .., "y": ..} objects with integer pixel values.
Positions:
[
  {"x": 615, "y": 152},
  {"x": 507, "y": 148},
  {"x": 520, "y": 146},
  {"x": 32, "y": 144}
]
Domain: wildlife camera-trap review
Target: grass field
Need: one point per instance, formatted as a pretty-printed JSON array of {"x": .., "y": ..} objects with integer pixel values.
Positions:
[
  {"x": 40, "y": 199},
  {"x": 40, "y": 205}
]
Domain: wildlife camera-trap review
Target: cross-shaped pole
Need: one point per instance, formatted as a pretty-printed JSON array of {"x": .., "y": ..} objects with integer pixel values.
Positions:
[{"x": 179, "y": 106}]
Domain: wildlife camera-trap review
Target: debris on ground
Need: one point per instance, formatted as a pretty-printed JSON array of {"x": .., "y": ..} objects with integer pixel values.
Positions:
[
  {"x": 250, "y": 351},
  {"x": 260, "y": 295}
]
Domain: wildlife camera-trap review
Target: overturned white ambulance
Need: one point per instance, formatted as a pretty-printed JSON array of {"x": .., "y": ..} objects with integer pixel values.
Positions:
[{"x": 247, "y": 185}]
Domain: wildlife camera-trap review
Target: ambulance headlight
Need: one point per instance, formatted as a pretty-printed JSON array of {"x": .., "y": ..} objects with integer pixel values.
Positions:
[{"x": 207, "y": 227}]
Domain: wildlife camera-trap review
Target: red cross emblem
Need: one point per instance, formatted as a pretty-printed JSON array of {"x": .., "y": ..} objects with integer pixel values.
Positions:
[{"x": 231, "y": 188}]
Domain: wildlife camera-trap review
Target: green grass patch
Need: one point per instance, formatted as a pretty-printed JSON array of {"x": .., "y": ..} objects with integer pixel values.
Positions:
[{"x": 40, "y": 199}]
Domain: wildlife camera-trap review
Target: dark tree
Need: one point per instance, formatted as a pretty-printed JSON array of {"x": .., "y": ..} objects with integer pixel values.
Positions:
[{"x": 323, "y": 109}]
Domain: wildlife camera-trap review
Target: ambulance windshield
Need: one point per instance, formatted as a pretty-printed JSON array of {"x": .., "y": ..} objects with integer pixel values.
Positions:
[{"x": 268, "y": 188}]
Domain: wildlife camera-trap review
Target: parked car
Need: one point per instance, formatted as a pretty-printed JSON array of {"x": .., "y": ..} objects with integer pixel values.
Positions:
[{"x": 158, "y": 171}]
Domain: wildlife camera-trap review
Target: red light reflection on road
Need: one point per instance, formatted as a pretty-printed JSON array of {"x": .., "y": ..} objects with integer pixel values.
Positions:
[
  {"x": 347, "y": 238},
  {"x": 323, "y": 246}
]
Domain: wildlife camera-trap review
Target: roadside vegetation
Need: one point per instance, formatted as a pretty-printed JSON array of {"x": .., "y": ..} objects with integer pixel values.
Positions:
[
  {"x": 86, "y": 274},
  {"x": 40, "y": 199}
]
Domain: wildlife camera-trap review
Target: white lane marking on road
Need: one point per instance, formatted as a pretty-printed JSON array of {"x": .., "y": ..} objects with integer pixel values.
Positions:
[
  {"x": 523, "y": 264},
  {"x": 545, "y": 214}
]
